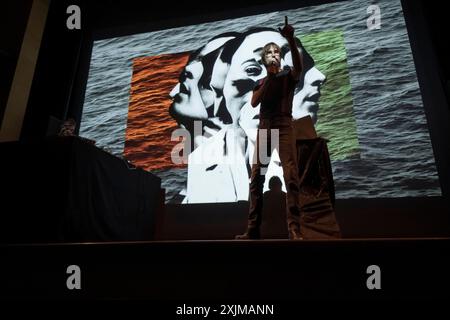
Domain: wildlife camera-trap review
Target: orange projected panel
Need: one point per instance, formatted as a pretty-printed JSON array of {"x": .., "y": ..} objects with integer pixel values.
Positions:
[{"x": 149, "y": 125}]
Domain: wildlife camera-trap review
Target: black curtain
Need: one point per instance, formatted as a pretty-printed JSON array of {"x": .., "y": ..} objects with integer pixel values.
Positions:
[{"x": 65, "y": 189}]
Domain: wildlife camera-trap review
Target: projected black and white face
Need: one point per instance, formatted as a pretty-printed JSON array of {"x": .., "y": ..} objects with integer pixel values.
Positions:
[
  {"x": 246, "y": 69},
  {"x": 306, "y": 98},
  {"x": 216, "y": 87},
  {"x": 194, "y": 97},
  {"x": 191, "y": 96},
  {"x": 187, "y": 101},
  {"x": 218, "y": 80}
]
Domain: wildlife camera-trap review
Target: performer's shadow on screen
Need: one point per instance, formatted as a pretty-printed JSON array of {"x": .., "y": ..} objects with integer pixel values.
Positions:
[{"x": 273, "y": 224}]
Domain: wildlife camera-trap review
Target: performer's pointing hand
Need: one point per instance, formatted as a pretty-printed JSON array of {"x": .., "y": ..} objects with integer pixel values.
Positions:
[{"x": 288, "y": 30}]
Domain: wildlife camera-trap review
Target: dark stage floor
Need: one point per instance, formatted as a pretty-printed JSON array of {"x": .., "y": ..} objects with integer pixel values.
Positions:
[{"x": 260, "y": 271}]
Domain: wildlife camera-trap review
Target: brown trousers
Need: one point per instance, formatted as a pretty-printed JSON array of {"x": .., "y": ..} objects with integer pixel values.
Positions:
[{"x": 288, "y": 156}]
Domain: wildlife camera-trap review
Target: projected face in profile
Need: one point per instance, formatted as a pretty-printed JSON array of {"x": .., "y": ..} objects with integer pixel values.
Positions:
[
  {"x": 246, "y": 68},
  {"x": 194, "y": 98},
  {"x": 187, "y": 100}
]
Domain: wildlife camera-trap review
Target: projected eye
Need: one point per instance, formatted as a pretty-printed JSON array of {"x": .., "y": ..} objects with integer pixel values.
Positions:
[
  {"x": 185, "y": 75},
  {"x": 253, "y": 71}
]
